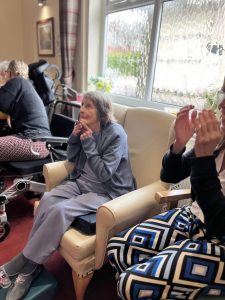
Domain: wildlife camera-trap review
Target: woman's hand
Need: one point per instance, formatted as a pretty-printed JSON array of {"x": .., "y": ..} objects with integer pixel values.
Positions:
[
  {"x": 208, "y": 133},
  {"x": 184, "y": 128},
  {"x": 86, "y": 131},
  {"x": 81, "y": 129},
  {"x": 77, "y": 129}
]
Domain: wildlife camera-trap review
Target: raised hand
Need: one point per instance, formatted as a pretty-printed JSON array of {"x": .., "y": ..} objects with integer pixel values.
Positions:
[
  {"x": 184, "y": 127},
  {"x": 86, "y": 132},
  {"x": 81, "y": 129},
  {"x": 77, "y": 129},
  {"x": 208, "y": 133}
]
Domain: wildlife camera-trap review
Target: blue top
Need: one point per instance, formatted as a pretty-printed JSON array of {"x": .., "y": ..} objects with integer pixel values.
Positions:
[{"x": 107, "y": 157}]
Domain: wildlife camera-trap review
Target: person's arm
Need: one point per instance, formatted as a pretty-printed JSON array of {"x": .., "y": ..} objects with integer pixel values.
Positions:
[
  {"x": 8, "y": 96},
  {"x": 74, "y": 141},
  {"x": 183, "y": 128},
  {"x": 175, "y": 164},
  {"x": 204, "y": 177},
  {"x": 175, "y": 167},
  {"x": 105, "y": 163},
  {"x": 73, "y": 147},
  {"x": 206, "y": 185}
]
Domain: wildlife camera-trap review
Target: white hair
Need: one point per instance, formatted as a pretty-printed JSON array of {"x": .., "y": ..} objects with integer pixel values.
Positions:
[{"x": 3, "y": 67}]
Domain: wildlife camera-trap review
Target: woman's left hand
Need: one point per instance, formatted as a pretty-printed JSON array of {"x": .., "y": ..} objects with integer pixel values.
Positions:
[{"x": 208, "y": 133}]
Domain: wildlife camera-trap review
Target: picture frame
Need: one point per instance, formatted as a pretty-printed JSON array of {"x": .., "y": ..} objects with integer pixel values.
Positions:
[{"x": 45, "y": 37}]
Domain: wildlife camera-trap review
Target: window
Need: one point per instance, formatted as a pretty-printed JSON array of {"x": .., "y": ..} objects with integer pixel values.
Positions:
[{"x": 165, "y": 52}]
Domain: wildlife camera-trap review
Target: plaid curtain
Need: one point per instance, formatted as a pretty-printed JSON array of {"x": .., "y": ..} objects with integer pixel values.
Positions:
[{"x": 68, "y": 14}]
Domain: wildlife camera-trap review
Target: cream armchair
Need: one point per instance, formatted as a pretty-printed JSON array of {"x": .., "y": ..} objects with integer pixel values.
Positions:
[{"x": 148, "y": 131}]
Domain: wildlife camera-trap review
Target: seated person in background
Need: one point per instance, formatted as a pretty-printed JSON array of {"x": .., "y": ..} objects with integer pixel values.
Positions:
[
  {"x": 28, "y": 117},
  {"x": 180, "y": 254},
  {"x": 3, "y": 68},
  {"x": 99, "y": 147}
]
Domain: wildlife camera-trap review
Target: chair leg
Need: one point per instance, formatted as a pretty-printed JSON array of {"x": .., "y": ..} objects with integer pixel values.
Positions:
[{"x": 80, "y": 284}]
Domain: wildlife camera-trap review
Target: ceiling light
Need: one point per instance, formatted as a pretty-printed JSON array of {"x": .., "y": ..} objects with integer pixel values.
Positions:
[{"x": 41, "y": 2}]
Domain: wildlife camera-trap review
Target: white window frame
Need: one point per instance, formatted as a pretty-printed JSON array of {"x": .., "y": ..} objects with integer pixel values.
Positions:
[{"x": 119, "y": 5}]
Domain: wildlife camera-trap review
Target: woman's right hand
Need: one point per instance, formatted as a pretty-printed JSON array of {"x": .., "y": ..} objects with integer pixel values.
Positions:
[
  {"x": 77, "y": 130},
  {"x": 81, "y": 129},
  {"x": 184, "y": 128}
]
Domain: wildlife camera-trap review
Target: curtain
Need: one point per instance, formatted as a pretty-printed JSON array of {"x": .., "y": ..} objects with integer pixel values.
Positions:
[{"x": 68, "y": 15}]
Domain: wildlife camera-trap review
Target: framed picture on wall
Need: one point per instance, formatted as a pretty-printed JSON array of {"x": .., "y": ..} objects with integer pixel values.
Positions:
[{"x": 45, "y": 37}]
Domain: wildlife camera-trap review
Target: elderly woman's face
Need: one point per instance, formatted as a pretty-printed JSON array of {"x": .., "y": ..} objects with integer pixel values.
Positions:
[{"x": 89, "y": 113}]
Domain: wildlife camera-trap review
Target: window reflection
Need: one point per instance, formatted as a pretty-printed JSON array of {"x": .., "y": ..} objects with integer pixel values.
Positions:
[
  {"x": 191, "y": 49},
  {"x": 128, "y": 42},
  {"x": 190, "y": 64}
]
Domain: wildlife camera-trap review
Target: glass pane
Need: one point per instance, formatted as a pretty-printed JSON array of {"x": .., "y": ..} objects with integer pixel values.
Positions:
[
  {"x": 128, "y": 42},
  {"x": 190, "y": 64}
]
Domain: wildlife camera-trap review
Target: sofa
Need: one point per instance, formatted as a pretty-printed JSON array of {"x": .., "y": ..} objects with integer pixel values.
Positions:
[{"x": 148, "y": 131}]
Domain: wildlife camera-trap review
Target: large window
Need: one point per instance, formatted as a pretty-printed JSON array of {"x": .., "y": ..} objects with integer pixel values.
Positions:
[{"x": 165, "y": 52}]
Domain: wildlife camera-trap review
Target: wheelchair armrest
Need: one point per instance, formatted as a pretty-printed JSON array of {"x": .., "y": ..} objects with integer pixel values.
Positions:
[
  {"x": 52, "y": 142},
  {"x": 52, "y": 139}
]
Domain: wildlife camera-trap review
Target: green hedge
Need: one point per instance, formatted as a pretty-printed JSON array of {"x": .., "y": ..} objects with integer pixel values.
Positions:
[{"x": 126, "y": 63}]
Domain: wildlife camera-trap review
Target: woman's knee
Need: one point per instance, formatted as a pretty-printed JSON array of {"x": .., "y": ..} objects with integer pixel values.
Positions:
[
  {"x": 46, "y": 203},
  {"x": 61, "y": 213},
  {"x": 133, "y": 286}
]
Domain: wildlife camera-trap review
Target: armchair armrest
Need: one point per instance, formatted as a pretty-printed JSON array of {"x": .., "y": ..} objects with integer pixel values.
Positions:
[
  {"x": 124, "y": 212},
  {"x": 172, "y": 197},
  {"x": 55, "y": 172}
]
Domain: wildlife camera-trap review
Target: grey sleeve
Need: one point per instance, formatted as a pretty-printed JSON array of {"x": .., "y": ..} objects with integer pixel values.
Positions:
[
  {"x": 73, "y": 148},
  {"x": 105, "y": 164}
]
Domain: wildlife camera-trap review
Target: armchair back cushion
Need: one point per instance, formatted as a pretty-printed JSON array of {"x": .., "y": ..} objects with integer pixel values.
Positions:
[{"x": 147, "y": 130}]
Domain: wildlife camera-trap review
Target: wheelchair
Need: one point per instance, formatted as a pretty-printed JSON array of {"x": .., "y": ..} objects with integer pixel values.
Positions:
[{"x": 26, "y": 176}]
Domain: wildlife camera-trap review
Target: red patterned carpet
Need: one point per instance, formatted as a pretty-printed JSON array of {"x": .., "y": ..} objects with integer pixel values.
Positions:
[{"x": 20, "y": 216}]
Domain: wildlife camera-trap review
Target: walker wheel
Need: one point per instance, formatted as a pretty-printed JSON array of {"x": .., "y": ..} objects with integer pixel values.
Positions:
[{"x": 4, "y": 230}]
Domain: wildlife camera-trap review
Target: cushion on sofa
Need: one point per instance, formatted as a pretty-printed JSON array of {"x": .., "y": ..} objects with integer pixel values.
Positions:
[{"x": 85, "y": 224}]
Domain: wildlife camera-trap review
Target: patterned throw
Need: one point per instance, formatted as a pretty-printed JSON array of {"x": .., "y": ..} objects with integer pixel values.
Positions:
[{"x": 168, "y": 257}]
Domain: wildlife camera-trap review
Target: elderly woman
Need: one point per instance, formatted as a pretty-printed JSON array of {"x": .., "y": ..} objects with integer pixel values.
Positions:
[
  {"x": 180, "y": 254},
  {"x": 28, "y": 118},
  {"x": 99, "y": 147}
]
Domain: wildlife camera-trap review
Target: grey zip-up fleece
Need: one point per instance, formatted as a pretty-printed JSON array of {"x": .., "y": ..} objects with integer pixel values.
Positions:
[{"x": 109, "y": 159}]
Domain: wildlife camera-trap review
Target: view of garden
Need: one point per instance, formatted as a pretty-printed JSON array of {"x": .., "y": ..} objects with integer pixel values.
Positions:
[{"x": 190, "y": 63}]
